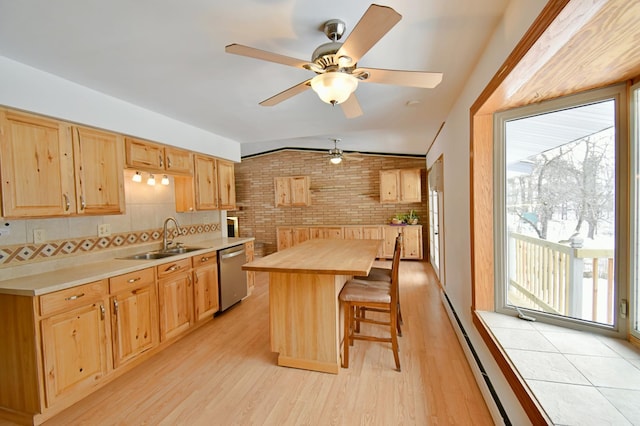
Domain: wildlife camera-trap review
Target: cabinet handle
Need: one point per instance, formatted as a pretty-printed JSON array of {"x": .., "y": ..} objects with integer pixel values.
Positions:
[
  {"x": 172, "y": 268},
  {"x": 204, "y": 259},
  {"x": 83, "y": 203},
  {"x": 115, "y": 307},
  {"x": 67, "y": 203},
  {"x": 74, "y": 297},
  {"x": 161, "y": 160},
  {"x": 133, "y": 280},
  {"x": 189, "y": 279},
  {"x": 102, "y": 312},
  {"x": 168, "y": 162}
]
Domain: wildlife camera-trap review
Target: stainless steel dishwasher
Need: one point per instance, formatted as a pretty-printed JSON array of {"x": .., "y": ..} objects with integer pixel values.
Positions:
[{"x": 232, "y": 279}]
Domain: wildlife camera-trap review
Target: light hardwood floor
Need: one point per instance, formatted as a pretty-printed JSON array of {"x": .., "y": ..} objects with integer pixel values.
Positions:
[{"x": 225, "y": 374}]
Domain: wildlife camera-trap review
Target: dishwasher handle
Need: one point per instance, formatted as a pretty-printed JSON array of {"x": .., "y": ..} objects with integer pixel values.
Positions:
[{"x": 232, "y": 254}]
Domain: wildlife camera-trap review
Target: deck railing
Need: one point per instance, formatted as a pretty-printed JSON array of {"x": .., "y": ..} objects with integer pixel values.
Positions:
[{"x": 551, "y": 276}]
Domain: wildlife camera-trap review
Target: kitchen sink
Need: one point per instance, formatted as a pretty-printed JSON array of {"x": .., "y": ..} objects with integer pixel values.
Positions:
[{"x": 161, "y": 254}]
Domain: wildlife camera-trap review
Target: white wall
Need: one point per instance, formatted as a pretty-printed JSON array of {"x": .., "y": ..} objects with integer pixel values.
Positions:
[
  {"x": 453, "y": 144},
  {"x": 30, "y": 89}
]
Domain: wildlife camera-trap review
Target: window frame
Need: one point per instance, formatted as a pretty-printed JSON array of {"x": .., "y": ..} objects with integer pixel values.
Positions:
[
  {"x": 634, "y": 210},
  {"x": 618, "y": 93}
]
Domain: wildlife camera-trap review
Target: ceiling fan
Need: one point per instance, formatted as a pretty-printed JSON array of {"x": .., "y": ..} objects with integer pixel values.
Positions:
[
  {"x": 336, "y": 63},
  {"x": 336, "y": 155}
]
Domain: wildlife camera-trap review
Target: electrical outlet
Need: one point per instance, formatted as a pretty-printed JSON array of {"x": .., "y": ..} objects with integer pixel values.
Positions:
[
  {"x": 39, "y": 236},
  {"x": 104, "y": 230},
  {"x": 4, "y": 229}
]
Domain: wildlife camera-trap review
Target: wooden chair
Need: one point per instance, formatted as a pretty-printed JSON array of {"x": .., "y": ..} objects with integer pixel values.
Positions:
[
  {"x": 377, "y": 275},
  {"x": 358, "y": 296}
]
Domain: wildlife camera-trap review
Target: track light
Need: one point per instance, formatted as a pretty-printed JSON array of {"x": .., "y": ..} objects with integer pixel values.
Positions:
[
  {"x": 151, "y": 181},
  {"x": 137, "y": 177},
  {"x": 165, "y": 180}
]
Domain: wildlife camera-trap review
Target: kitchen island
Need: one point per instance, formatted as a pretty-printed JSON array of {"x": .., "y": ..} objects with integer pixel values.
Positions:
[{"x": 304, "y": 310}]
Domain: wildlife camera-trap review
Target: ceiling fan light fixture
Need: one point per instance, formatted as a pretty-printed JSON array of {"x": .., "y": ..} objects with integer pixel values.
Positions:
[
  {"x": 336, "y": 159},
  {"x": 334, "y": 87}
]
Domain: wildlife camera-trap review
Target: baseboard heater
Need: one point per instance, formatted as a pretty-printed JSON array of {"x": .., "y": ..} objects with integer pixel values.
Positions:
[{"x": 483, "y": 372}]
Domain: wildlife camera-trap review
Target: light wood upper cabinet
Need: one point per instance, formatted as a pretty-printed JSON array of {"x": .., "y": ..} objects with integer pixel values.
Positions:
[
  {"x": 36, "y": 164},
  {"x": 99, "y": 161},
  {"x": 156, "y": 158},
  {"x": 206, "y": 183},
  {"x": 292, "y": 191},
  {"x": 226, "y": 185},
  {"x": 134, "y": 319},
  {"x": 205, "y": 285},
  {"x": 74, "y": 341},
  {"x": 400, "y": 186}
]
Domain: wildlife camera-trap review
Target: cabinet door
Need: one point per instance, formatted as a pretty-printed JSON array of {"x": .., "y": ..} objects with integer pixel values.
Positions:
[
  {"x": 205, "y": 285},
  {"x": 74, "y": 346},
  {"x": 300, "y": 235},
  {"x": 178, "y": 161},
  {"x": 226, "y": 185},
  {"x": 99, "y": 161},
  {"x": 389, "y": 186},
  {"x": 410, "y": 186},
  {"x": 300, "y": 191},
  {"x": 206, "y": 187},
  {"x": 134, "y": 322},
  {"x": 390, "y": 234},
  {"x": 175, "y": 298},
  {"x": 412, "y": 242},
  {"x": 332, "y": 233},
  {"x": 352, "y": 232},
  {"x": 374, "y": 233},
  {"x": 249, "y": 249},
  {"x": 185, "y": 195},
  {"x": 36, "y": 163},
  {"x": 284, "y": 237},
  {"x": 144, "y": 155},
  {"x": 316, "y": 232},
  {"x": 282, "y": 190}
]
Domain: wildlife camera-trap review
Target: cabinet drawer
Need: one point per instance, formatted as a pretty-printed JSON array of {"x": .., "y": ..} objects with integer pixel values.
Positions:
[
  {"x": 174, "y": 267},
  {"x": 205, "y": 259},
  {"x": 72, "y": 297},
  {"x": 131, "y": 280}
]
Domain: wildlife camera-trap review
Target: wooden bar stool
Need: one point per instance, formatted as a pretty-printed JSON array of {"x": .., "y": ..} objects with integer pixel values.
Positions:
[{"x": 358, "y": 296}]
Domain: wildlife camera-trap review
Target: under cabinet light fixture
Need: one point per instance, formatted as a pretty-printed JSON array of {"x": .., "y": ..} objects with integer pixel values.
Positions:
[
  {"x": 165, "y": 180},
  {"x": 137, "y": 177},
  {"x": 151, "y": 181}
]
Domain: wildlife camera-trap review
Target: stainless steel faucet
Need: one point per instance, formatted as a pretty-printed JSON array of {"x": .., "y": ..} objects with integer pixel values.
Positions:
[{"x": 165, "y": 241}]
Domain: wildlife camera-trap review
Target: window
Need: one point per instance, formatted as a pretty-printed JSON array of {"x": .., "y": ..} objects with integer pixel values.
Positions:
[
  {"x": 635, "y": 210},
  {"x": 558, "y": 209}
]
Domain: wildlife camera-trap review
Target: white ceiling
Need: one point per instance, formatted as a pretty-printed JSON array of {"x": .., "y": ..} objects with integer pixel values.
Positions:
[{"x": 168, "y": 56}]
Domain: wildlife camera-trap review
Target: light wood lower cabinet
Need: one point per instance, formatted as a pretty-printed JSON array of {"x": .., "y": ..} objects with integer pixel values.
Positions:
[
  {"x": 249, "y": 249},
  {"x": 75, "y": 347},
  {"x": 175, "y": 298},
  {"x": 205, "y": 285},
  {"x": 289, "y": 236},
  {"x": 134, "y": 319}
]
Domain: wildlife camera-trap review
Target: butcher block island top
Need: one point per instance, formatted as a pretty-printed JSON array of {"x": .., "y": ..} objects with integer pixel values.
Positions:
[
  {"x": 344, "y": 257},
  {"x": 305, "y": 315}
]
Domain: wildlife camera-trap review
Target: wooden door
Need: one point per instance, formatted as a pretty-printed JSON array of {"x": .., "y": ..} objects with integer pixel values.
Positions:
[
  {"x": 74, "y": 350},
  {"x": 175, "y": 298},
  {"x": 36, "y": 163},
  {"x": 412, "y": 242},
  {"x": 410, "y": 186},
  {"x": 206, "y": 187},
  {"x": 185, "y": 195},
  {"x": 134, "y": 322},
  {"x": 178, "y": 161},
  {"x": 99, "y": 162},
  {"x": 144, "y": 155},
  {"x": 205, "y": 285},
  {"x": 284, "y": 237},
  {"x": 226, "y": 185},
  {"x": 389, "y": 186}
]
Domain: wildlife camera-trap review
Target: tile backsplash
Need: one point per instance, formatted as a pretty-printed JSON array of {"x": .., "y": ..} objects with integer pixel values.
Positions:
[{"x": 146, "y": 208}]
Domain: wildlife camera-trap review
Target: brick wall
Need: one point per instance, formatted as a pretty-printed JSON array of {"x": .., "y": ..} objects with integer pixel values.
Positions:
[{"x": 343, "y": 194}]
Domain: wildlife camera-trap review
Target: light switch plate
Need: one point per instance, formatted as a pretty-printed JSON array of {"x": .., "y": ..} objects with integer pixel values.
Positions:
[
  {"x": 104, "y": 230},
  {"x": 39, "y": 236}
]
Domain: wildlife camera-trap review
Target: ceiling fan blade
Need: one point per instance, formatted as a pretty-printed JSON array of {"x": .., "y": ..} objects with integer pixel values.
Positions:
[
  {"x": 373, "y": 25},
  {"x": 351, "y": 107},
  {"x": 251, "y": 52},
  {"x": 426, "y": 80},
  {"x": 289, "y": 93}
]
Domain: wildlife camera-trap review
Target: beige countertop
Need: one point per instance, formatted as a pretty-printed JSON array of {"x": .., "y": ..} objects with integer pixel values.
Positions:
[{"x": 60, "y": 279}]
